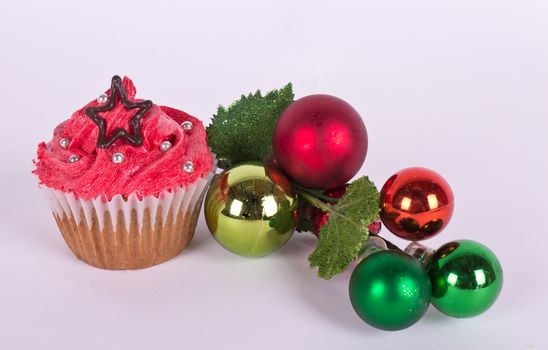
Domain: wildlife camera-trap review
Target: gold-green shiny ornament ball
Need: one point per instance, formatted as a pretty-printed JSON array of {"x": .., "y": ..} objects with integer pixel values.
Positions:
[{"x": 250, "y": 209}]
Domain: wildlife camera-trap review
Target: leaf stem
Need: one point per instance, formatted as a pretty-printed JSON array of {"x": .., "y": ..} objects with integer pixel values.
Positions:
[
  {"x": 316, "y": 194},
  {"x": 314, "y": 201},
  {"x": 326, "y": 207}
]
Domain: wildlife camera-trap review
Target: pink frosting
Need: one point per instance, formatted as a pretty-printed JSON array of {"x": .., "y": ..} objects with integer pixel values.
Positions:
[{"x": 146, "y": 169}]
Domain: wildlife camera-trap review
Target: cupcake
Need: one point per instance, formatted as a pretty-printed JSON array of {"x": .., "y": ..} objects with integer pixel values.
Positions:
[{"x": 125, "y": 179}]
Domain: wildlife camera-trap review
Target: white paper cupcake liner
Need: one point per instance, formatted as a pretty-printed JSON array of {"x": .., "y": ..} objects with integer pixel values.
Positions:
[
  {"x": 128, "y": 233},
  {"x": 67, "y": 203}
]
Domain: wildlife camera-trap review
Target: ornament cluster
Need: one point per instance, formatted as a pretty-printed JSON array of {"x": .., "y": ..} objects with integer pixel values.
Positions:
[
  {"x": 287, "y": 166},
  {"x": 462, "y": 278}
]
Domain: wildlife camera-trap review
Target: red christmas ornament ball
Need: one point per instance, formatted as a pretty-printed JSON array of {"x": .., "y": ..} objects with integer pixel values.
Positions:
[
  {"x": 416, "y": 203},
  {"x": 320, "y": 141}
]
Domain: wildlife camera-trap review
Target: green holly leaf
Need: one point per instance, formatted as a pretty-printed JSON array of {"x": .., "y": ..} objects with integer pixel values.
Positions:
[
  {"x": 243, "y": 131},
  {"x": 284, "y": 219},
  {"x": 347, "y": 228}
]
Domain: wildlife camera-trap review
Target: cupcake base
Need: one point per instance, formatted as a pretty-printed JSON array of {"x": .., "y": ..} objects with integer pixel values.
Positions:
[
  {"x": 116, "y": 248},
  {"x": 128, "y": 233}
]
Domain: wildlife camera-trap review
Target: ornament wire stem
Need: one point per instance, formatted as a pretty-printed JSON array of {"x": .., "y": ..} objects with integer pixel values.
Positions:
[{"x": 389, "y": 244}]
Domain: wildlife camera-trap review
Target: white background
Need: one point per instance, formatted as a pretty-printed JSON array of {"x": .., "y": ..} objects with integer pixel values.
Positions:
[{"x": 457, "y": 86}]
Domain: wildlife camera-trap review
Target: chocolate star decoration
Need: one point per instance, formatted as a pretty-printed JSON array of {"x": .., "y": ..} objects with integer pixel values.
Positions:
[{"x": 117, "y": 89}]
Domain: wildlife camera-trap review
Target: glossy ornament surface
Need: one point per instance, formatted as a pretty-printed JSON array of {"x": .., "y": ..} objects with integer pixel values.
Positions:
[
  {"x": 466, "y": 278},
  {"x": 390, "y": 290},
  {"x": 416, "y": 203},
  {"x": 250, "y": 209},
  {"x": 320, "y": 141}
]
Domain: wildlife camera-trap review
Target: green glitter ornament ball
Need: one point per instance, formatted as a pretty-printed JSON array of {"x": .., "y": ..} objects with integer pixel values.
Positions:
[{"x": 390, "y": 290}]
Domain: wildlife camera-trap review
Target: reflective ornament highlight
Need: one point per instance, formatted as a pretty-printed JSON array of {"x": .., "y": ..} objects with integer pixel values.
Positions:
[
  {"x": 416, "y": 203},
  {"x": 320, "y": 141},
  {"x": 389, "y": 290},
  {"x": 466, "y": 278},
  {"x": 250, "y": 209}
]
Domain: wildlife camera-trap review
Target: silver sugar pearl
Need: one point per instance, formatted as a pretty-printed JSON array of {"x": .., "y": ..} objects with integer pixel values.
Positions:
[
  {"x": 118, "y": 158},
  {"x": 64, "y": 143},
  {"x": 102, "y": 98},
  {"x": 187, "y": 126},
  {"x": 165, "y": 146},
  {"x": 73, "y": 158},
  {"x": 188, "y": 167}
]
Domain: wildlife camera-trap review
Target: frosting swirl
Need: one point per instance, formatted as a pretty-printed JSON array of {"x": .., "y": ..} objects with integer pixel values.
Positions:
[{"x": 146, "y": 170}]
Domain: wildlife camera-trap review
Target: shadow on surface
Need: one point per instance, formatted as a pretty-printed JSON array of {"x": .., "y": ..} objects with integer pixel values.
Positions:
[{"x": 329, "y": 298}]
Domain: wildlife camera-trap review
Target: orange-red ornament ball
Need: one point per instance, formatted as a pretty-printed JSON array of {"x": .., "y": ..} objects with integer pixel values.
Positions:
[
  {"x": 320, "y": 141},
  {"x": 416, "y": 203}
]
